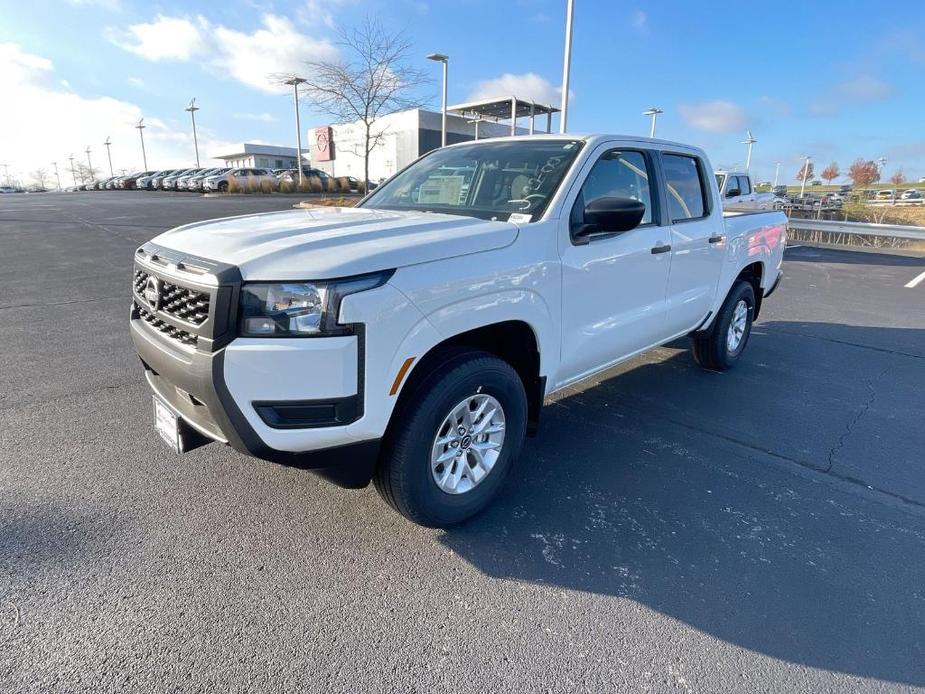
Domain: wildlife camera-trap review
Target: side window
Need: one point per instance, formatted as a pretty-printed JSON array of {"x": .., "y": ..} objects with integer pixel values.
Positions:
[
  {"x": 618, "y": 174},
  {"x": 684, "y": 182},
  {"x": 745, "y": 185}
]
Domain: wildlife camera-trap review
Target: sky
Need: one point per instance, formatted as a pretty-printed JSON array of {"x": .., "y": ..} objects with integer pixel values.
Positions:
[{"x": 836, "y": 81}]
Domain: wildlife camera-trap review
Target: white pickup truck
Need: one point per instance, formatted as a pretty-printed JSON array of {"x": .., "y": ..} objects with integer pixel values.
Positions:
[
  {"x": 738, "y": 193},
  {"x": 411, "y": 340}
]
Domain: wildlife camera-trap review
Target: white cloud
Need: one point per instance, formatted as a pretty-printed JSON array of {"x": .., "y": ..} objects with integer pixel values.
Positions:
[
  {"x": 860, "y": 90},
  {"x": 250, "y": 58},
  {"x": 640, "y": 21},
  {"x": 260, "y": 117},
  {"x": 52, "y": 121},
  {"x": 166, "y": 38},
  {"x": 528, "y": 86},
  {"x": 136, "y": 82},
  {"x": 276, "y": 47},
  {"x": 715, "y": 116}
]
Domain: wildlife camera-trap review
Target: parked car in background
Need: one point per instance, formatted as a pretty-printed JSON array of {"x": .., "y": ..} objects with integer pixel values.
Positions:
[
  {"x": 412, "y": 340},
  {"x": 241, "y": 178},
  {"x": 291, "y": 177},
  {"x": 189, "y": 181},
  {"x": 146, "y": 182},
  {"x": 159, "y": 177},
  {"x": 780, "y": 191},
  {"x": 911, "y": 194},
  {"x": 885, "y": 195},
  {"x": 194, "y": 183},
  {"x": 130, "y": 182},
  {"x": 182, "y": 180},
  {"x": 738, "y": 193},
  {"x": 170, "y": 182}
]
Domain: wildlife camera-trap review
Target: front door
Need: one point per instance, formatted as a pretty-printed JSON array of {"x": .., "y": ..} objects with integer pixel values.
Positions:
[{"x": 614, "y": 285}]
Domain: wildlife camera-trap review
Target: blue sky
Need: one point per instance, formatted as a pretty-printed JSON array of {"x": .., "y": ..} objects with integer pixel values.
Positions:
[{"x": 834, "y": 80}]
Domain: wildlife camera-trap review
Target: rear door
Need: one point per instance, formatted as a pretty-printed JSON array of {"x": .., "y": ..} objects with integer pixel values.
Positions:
[{"x": 697, "y": 240}]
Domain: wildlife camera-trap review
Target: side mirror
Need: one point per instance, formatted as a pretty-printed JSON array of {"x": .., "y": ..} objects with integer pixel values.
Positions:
[
  {"x": 609, "y": 215},
  {"x": 733, "y": 192}
]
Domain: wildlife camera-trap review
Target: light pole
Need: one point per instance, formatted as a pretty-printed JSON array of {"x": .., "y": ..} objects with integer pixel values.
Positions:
[
  {"x": 192, "y": 108},
  {"x": 804, "y": 173},
  {"x": 6, "y": 173},
  {"x": 653, "y": 111},
  {"x": 749, "y": 141},
  {"x": 776, "y": 174},
  {"x": 141, "y": 127},
  {"x": 566, "y": 65},
  {"x": 295, "y": 82},
  {"x": 73, "y": 175},
  {"x": 89, "y": 165},
  {"x": 57, "y": 177},
  {"x": 440, "y": 58},
  {"x": 109, "y": 154},
  {"x": 881, "y": 162}
]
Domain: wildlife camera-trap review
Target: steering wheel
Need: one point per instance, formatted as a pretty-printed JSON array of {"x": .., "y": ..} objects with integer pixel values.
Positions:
[{"x": 527, "y": 201}]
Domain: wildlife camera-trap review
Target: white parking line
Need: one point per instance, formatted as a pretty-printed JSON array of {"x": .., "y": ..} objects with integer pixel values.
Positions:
[{"x": 916, "y": 281}]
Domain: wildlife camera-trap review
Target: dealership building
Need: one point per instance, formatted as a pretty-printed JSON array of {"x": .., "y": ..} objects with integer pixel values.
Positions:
[
  {"x": 251, "y": 155},
  {"x": 404, "y": 136}
]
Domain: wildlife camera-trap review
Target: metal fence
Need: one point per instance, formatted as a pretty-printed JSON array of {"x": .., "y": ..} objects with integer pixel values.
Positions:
[{"x": 857, "y": 234}]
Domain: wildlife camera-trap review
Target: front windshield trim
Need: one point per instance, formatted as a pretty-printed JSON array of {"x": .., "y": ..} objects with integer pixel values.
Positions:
[{"x": 477, "y": 212}]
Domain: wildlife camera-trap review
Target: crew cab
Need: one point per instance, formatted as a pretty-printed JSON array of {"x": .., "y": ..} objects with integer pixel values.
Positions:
[
  {"x": 737, "y": 192},
  {"x": 411, "y": 340}
]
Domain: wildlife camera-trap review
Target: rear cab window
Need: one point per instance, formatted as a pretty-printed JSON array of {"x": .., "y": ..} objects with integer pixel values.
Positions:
[{"x": 685, "y": 183}]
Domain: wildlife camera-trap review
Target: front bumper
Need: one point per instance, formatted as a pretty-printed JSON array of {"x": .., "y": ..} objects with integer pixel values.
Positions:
[{"x": 249, "y": 393}]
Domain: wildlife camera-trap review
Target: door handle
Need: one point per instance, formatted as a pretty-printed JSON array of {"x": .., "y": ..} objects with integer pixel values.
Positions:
[
  {"x": 717, "y": 239},
  {"x": 660, "y": 249}
]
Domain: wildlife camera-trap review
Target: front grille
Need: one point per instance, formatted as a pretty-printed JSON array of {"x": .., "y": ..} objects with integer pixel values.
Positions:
[
  {"x": 189, "y": 305},
  {"x": 171, "y": 331}
]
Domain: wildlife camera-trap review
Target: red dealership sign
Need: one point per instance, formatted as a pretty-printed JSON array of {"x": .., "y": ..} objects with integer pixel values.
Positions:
[{"x": 324, "y": 144}]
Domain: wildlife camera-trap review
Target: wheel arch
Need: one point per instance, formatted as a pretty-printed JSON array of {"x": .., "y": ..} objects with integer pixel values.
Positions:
[{"x": 514, "y": 341}]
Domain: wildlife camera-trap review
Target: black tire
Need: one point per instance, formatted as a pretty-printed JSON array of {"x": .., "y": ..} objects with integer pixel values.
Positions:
[
  {"x": 710, "y": 348},
  {"x": 223, "y": 187},
  {"x": 404, "y": 477}
]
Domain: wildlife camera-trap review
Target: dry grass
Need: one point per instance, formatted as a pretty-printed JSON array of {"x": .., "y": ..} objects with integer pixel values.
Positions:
[{"x": 885, "y": 214}]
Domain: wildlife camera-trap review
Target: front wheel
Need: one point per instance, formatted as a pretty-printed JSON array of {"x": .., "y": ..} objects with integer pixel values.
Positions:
[
  {"x": 721, "y": 346},
  {"x": 454, "y": 440}
]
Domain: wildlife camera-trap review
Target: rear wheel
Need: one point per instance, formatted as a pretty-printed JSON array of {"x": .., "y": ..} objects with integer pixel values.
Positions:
[
  {"x": 720, "y": 347},
  {"x": 454, "y": 441},
  {"x": 223, "y": 187}
]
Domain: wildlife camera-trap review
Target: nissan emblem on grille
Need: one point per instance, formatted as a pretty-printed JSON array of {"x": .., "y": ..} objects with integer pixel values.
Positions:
[{"x": 152, "y": 292}]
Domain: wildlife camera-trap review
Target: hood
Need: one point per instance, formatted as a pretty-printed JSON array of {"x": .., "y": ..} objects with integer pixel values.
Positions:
[{"x": 328, "y": 242}]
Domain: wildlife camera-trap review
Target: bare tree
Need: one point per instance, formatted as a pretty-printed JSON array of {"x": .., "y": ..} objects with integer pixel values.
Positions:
[
  {"x": 831, "y": 172},
  {"x": 370, "y": 80},
  {"x": 41, "y": 178},
  {"x": 898, "y": 178},
  {"x": 84, "y": 173}
]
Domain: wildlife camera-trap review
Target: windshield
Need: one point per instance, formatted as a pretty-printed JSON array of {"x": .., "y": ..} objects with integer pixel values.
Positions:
[{"x": 490, "y": 180}]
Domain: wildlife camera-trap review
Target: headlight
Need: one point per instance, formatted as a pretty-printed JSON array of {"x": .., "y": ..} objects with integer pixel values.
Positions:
[{"x": 299, "y": 309}]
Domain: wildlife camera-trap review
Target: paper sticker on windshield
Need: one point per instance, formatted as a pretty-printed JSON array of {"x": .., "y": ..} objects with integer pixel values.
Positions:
[
  {"x": 441, "y": 190},
  {"x": 520, "y": 218}
]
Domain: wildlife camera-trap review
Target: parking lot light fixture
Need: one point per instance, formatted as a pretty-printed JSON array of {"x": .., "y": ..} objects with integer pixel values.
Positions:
[
  {"x": 192, "y": 108},
  {"x": 141, "y": 127},
  {"x": 295, "y": 82},
  {"x": 445, "y": 59},
  {"x": 89, "y": 165},
  {"x": 109, "y": 153},
  {"x": 73, "y": 173},
  {"x": 749, "y": 140},
  {"x": 776, "y": 174},
  {"x": 803, "y": 171},
  {"x": 653, "y": 112},
  {"x": 57, "y": 177},
  {"x": 566, "y": 65}
]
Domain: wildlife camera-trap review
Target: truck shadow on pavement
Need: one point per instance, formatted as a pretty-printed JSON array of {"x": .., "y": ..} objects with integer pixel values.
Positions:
[{"x": 623, "y": 496}]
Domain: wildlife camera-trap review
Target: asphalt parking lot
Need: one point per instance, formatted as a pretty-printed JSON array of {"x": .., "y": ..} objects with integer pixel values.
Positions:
[{"x": 670, "y": 528}]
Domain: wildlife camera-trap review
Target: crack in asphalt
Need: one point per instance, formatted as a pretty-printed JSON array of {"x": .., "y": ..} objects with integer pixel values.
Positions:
[
  {"x": 833, "y": 451},
  {"x": 839, "y": 342}
]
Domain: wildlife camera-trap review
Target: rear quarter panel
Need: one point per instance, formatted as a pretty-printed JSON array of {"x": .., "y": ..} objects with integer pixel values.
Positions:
[{"x": 755, "y": 237}]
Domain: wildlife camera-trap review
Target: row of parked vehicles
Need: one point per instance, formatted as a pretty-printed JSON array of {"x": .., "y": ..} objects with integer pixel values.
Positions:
[{"x": 223, "y": 179}]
